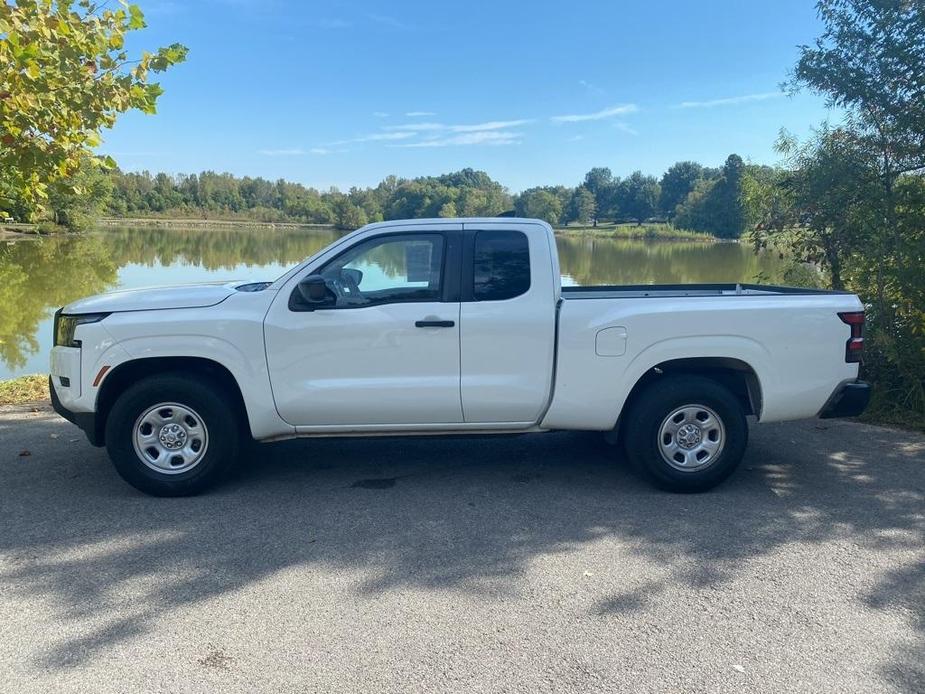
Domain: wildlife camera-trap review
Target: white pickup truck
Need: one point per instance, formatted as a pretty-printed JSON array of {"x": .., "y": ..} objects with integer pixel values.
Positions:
[{"x": 448, "y": 326}]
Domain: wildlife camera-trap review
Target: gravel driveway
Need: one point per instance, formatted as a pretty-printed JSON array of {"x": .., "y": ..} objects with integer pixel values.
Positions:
[{"x": 526, "y": 564}]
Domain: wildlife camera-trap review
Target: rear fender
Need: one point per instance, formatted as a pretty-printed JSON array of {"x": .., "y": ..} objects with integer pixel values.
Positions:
[{"x": 582, "y": 401}]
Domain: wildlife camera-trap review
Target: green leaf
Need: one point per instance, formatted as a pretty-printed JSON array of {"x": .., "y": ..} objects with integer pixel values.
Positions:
[{"x": 136, "y": 17}]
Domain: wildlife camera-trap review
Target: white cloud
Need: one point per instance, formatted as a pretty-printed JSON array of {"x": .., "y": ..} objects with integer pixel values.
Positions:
[
  {"x": 730, "y": 101},
  {"x": 384, "y": 136},
  {"x": 417, "y": 126},
  {"x": 373, "y": 137},
  {"x": 625, "y": 127},
  {"x": 620, "y": 110},
  {"x": 490, "y": 125},
  {"x": 483, "y": 137},
  {"x": 320, "y": 150},
  {"x": 475, "y": 128},
  {"x": 419, "y": 114},
  {"x": 439, "y": 134},
  {"x": 380, "y": 114},
  {"x": 291, "y": 152}
]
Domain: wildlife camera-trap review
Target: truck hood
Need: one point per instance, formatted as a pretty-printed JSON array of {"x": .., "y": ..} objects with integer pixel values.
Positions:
[{"x": 148, "y": 298}]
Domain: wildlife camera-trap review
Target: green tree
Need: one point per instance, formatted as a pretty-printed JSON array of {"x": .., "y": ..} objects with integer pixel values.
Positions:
[
  {"x": 601, "y": 183},
  {"x": 716, "y": 206},
  {"x": 726, "y": 205},
  {"x": 694, "y": 212},
  {"x": 822, "y": 205},
  {"x": 581, "y": 206},
  {"x": 539, "y": 203},
  {"x": 346, "y": 214},
  {"x": 870, "y": 60},
  {"x": 767, "y": 199},
  {"x": 76, "y": 201},
  {"x": 637, "y": 197},
  {"x": 64, "y": 76},
  {"x": 676, "y": 184}
]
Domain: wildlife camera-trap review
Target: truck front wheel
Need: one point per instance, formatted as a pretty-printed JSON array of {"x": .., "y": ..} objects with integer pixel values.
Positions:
[
  {"x": 172, "y": 434},
  {"x": 685, "y": 433}
]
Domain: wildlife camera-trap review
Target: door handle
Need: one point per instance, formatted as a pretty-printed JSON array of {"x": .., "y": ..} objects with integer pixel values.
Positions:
[{"x": 434, "y": 323}]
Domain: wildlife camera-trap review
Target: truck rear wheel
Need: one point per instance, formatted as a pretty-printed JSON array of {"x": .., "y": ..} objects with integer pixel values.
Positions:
[
  {"x": 685, "y": 433},
  {"x": 172, "y": 435}
]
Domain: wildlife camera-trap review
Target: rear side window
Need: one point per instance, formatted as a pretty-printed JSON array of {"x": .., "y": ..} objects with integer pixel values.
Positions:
[{"x": 502, "y": 265}]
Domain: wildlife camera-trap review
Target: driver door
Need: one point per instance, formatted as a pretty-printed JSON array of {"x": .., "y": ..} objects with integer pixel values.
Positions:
[{"x": 384, "y": 351}]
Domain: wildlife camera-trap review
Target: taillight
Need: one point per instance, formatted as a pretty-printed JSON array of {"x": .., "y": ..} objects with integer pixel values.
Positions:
[{"x": 854, "y": 347}]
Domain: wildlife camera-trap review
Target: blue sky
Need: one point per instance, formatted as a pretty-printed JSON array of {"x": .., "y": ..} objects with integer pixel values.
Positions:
[{"x": 345, "y": 93}]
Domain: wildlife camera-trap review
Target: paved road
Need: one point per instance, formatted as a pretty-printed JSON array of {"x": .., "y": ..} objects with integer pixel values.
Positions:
[{"x": 527, "y": 564}]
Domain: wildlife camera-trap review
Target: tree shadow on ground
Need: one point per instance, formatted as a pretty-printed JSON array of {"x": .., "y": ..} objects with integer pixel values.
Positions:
[{"x": 467, "y": 514}]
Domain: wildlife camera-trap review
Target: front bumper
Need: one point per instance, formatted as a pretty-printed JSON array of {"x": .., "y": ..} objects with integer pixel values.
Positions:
[
  {"x": 85, "y": 420},
  {"x": 849, "y": 400}
]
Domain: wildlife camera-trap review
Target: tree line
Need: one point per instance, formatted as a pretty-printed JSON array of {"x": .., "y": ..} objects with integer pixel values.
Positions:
[
  {"x": 689, "y": 195},
  {"x": 695, "y": 197}
]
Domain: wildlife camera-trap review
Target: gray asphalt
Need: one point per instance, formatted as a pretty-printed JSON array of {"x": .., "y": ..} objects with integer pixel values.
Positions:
[{"x": 528, "y": 564}]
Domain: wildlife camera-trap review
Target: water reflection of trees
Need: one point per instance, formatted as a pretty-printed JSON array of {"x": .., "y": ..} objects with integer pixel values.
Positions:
[
  {"x": 590, "y": 261},
  {"x": 215, "y": 249},
  {"x": 38, "y": 276}
]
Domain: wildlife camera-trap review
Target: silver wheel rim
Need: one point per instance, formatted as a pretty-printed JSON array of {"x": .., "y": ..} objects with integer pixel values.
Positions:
[
  {"x": 691, "y": 438},
  {"x": 170, "y": 438}
]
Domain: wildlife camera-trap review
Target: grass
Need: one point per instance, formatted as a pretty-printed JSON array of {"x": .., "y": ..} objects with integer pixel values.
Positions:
[
  {"x": 885, "y": 415},
  {"x": 24, "y": 389},
  {"x": 16, "y": 229},
  {"x": 650, "y": 232},
  {"x": 44, "y": 228}
]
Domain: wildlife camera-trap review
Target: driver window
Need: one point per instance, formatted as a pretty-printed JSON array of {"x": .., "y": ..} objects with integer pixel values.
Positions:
[{"x": 387, "y": 270}]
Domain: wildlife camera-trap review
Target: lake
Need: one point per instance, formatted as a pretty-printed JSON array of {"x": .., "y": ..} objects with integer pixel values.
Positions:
[{"x": 38, "y": 275}]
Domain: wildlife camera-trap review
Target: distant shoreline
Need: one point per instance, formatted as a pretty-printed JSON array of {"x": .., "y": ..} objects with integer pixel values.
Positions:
[
  {"x": 660, "y": 232},
  {"x": 205, "y": 223},
  {"x": 638, "y": 232}
]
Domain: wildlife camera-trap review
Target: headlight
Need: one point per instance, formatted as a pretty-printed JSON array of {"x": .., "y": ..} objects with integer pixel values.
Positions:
[{"x": 66, "y": 326}]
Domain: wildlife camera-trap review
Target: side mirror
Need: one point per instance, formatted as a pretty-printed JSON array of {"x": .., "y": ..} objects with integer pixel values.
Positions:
[
  {"x": 315, "y": 292},
  {"x": 352, "y": 275}
]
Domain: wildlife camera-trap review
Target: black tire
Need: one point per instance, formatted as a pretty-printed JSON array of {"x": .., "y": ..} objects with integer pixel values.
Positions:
[
  {"x": 205, "y": 398},
  {"x": 647, "y": 413}
]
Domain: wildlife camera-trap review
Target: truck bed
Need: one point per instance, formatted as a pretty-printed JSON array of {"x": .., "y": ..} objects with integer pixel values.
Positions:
[
  {"x": 791, "y": 339},
  {"x": 635, "y": 291}
]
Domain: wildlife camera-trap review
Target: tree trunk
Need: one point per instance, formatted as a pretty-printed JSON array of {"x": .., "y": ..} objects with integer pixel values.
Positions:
[{"x": 831, "y": 257}]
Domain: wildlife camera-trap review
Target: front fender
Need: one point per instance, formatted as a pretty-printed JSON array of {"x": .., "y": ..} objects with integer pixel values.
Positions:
[
  {"x": 230, "y": 335},
  {"x": 249, "y": 374}
]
